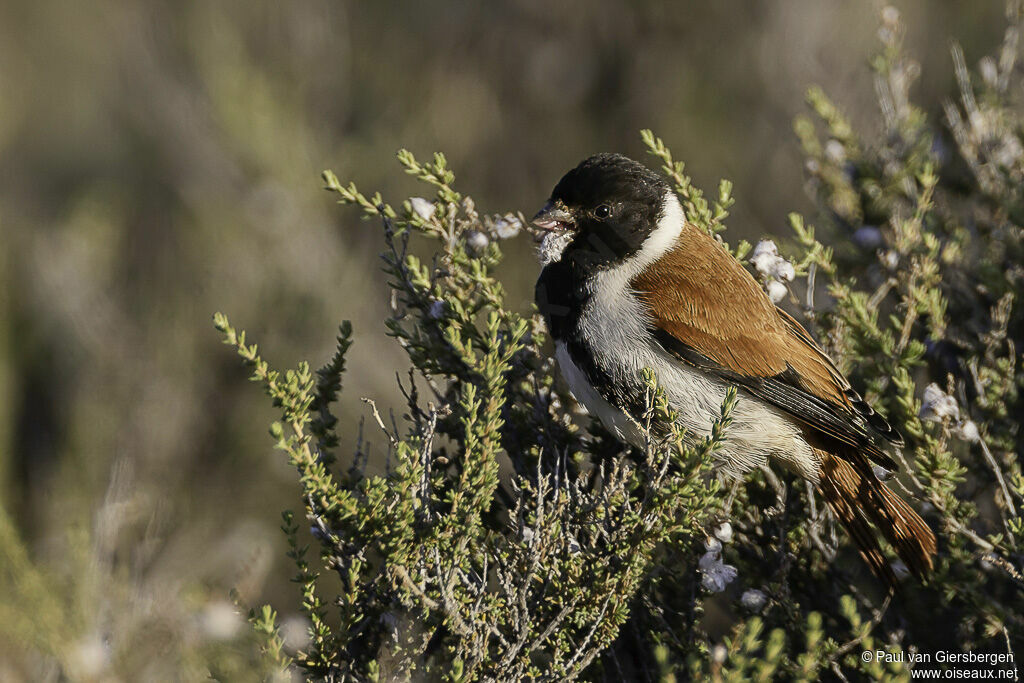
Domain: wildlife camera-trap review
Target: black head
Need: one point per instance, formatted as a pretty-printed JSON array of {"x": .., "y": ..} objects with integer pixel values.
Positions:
[{"x": 601, "y": 211}]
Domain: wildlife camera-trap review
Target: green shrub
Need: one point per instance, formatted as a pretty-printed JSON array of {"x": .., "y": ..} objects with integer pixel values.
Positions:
[{"x": 506, "y": 536}]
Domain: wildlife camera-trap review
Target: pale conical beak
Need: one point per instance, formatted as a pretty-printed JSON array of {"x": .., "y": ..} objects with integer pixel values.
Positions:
[{"x": 553, "y": 217}]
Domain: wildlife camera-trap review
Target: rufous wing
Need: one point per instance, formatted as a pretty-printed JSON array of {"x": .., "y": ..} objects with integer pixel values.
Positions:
[{"x": 708, "y": 311}]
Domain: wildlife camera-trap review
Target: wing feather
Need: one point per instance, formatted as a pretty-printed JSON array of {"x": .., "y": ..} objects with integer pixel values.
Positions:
[{"x": 709, "y": 312}]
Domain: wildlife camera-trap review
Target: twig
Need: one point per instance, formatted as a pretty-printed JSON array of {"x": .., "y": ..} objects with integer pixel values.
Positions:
[
  {"x": 875, "y": 620},
  {"x": 403, "y": 575},
  {"x": 380, "y": 422},
  {"x": 812, "y": 271},
  {"x": 590, "y": 634},
  {"x": 1009, "y": 649},
  {"x": 999, "y": 477}
]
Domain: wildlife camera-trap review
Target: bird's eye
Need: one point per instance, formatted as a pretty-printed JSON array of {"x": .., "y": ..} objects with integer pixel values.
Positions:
[{"x": 602, "y": 212}]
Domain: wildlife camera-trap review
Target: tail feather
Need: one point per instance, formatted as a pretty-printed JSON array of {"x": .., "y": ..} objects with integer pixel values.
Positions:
[{"x": 859, "y": 500}]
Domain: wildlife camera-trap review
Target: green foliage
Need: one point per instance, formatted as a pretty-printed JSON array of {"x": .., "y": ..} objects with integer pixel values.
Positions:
[
  {"x": 698, "y": 210},
  {"x": 444, "y": 568},
  {"x": 507, "y": 538}
]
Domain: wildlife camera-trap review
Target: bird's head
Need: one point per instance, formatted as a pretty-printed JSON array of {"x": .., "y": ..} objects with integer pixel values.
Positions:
[{"x": 601, "y": 212}]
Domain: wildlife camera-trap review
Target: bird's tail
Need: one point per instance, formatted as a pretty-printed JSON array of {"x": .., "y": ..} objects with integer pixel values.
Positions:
[{"x": 859, "y": 499}]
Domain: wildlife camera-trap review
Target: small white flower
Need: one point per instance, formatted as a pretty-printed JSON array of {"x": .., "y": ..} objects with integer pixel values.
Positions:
[
  {"x": 890, "y": 259},
  {"x": 835, "y": 152},
  {"x": 969, "y": 431},
  {"x": 436, "y": 310},
  {"x": 574, "y": 545},
  {"x": 220, "y": 621},
  {"x": 295, "y": 633},
  {"x": 713, "y": 545},
  {"x": 719, "y": 653},
  {"x": 867, "y": 237},
  {"x": 776, "y": 291},
  {"x": 477, "y": 242},
  {"x": 528, "y": 534},
  {"x": 423, "y": 208},
  {"x": 753, "y": 600},
  {"x": 90, "y": 656},
  {"x": 899, "y": 569},
  {"x": 716, "y": 574},
  {"x": 507, "y": 227},
  {"x": 764, "y": 256},
  {"x": 773, "y": 268},
  {"x": 724, "y": 532},
  {"x": 938, "y": 405},
  {"x": 890, "y": 14}
]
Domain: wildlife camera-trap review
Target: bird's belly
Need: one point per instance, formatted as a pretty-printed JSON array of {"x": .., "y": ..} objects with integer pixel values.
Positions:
[
  {"x": 613, "y": 418},
  {"x": 759, "y": 431}
]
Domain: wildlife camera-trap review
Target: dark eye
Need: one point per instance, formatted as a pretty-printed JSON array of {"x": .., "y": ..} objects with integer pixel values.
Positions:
[{"x": 602, "y": 212}]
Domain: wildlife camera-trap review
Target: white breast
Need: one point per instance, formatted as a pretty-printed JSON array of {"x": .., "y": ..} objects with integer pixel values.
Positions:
[{"x": 614, "y": 325}]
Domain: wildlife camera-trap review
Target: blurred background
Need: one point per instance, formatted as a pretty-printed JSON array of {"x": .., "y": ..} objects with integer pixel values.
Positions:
[{"x": 160, "y": 161}]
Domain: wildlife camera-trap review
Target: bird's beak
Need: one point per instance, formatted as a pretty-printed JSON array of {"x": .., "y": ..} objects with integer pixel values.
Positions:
[{"x": 554, "y": 217}]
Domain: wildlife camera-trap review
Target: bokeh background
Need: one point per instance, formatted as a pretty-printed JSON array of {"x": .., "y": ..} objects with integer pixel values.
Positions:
[{"x": 160, "y": 161}]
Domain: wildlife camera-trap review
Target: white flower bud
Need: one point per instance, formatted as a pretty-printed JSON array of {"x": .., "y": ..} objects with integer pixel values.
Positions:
[
  {"x": 773, "y": 268},
  {"x": 295, "y": 632},
  {"x": 574, "y": 545},
  {"x": 477, "y": 242},
  {"x": 835, "y": 152},
  {"x": 422, "y": 207},
  {"x": 867, "y": 237},
  {"x": 90, "y": 656},
  {"x": 507, "y": 227},
  {"x": 719, "y": 653},
  {"x": 776, "y": 291},
  {"x": 899, "y": 569},
  {"x": 890, "y": 259},
  {"x": 753, "y": 600},
  {"x": 938, "y": 405},
  {"x": 764, "y": 256},
  {"x": 969, "y": 431},
  {"x": 436, "y": 310},
  {"x": 220, "y": 621},
  {"x": 716, "y": 575},
  {"x": 713, "y": 545},
  {"x": 724, "y": 532}
]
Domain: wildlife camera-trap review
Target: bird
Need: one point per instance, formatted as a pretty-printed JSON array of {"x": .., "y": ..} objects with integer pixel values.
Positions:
[{"x": 628, "y": 283}]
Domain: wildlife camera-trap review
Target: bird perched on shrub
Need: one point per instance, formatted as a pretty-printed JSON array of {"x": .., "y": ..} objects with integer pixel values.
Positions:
[{"x": 627, "y": 284}]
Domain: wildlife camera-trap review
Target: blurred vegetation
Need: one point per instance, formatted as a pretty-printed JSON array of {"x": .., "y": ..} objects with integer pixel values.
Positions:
[
  {"x": 503, "y": 542},
  {"x": 159, "y": 162}
]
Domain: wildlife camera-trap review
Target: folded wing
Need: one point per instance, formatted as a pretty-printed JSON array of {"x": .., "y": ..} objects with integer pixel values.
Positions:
[{"x": 709, "y": 312}]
